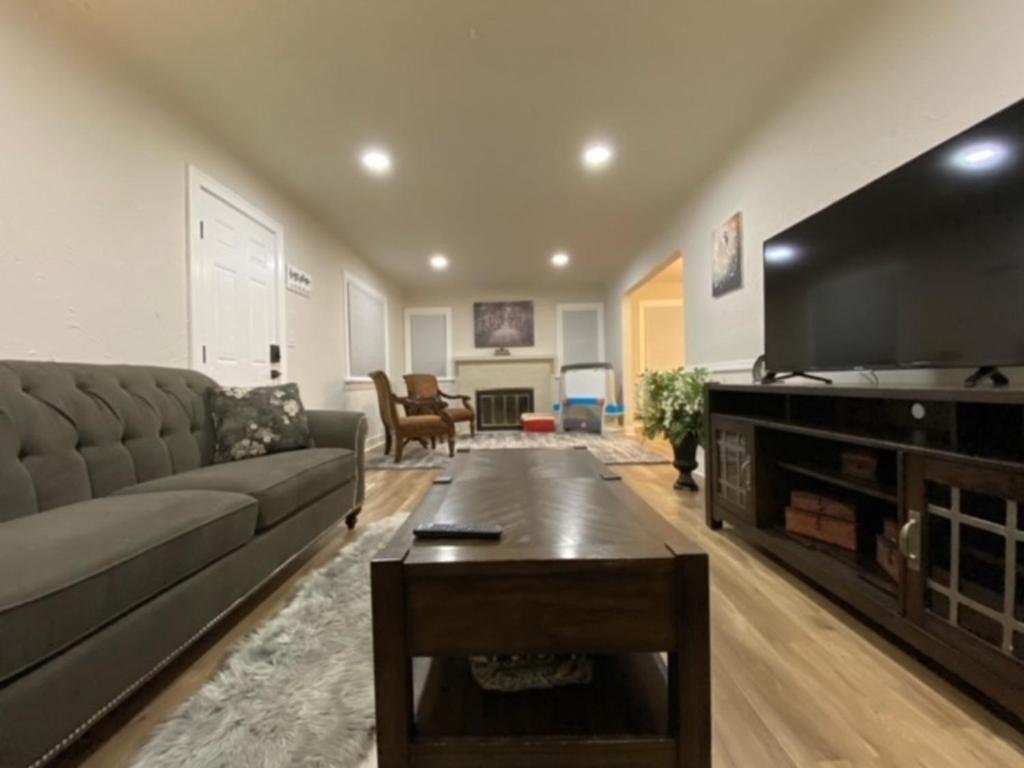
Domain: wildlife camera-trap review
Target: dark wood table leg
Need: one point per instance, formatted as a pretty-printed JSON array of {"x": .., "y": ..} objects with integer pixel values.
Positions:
[
  {"x": 690, "y": 665},
  {"x": 392, "y": 668}
]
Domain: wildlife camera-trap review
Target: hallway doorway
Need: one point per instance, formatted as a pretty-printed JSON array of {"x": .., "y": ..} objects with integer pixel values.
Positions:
[{"x": 653, "y": 329}]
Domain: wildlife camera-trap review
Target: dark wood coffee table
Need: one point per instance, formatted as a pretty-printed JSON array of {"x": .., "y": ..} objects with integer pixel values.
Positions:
[{"x": 584, "y": 566}]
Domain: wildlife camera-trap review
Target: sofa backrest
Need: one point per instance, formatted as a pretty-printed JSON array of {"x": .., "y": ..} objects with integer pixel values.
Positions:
[{"x": 71, "y": 432}]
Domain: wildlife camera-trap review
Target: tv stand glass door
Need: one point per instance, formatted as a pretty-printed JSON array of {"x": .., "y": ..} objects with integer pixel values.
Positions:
[{"x": 965, "y": 570}]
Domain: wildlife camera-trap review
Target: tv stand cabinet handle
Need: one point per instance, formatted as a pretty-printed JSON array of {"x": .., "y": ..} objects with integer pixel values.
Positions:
[{"x": 910, "y": 540}]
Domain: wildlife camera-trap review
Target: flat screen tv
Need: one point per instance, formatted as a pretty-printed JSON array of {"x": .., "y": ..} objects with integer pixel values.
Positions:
[{"x": 922, "y": 268}]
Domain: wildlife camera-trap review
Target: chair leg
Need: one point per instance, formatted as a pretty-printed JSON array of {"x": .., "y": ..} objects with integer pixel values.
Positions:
[
  {"x": 472, "y": 427},
  {"x": 451, "y": 442},
  {"x": 399, "y": 448},
  {"x": 433, "y": 442},
  {"x": 387, "y": 441}
]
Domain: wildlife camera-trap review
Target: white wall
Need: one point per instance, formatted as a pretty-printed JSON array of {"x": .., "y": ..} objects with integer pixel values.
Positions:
[
  {"x": 545, "y": 300},
  {"x": 93, "y": 221},
  {"x": 917, "y": 75}
]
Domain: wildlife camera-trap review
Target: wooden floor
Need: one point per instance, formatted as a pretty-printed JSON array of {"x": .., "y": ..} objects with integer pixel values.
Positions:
[{"x": 797, "y": 681}]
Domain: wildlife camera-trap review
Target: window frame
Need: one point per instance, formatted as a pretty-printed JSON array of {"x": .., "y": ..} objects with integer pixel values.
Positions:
[
  {"x": 560, "y": 310},
  {"x": 350, "y": 280}
]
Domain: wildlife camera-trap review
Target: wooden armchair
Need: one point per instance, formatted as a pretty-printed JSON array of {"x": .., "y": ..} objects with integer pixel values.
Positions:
[
  {"x": 424, "y": 386},
  {"x": 426, "y": 422}
]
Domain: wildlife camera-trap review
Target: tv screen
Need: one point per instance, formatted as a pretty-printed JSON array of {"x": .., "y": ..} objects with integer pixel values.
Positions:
[{"x": 922, "y": 268}]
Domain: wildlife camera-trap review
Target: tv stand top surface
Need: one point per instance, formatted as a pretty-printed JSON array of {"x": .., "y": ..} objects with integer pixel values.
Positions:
[{"x": 981, "y": 394}]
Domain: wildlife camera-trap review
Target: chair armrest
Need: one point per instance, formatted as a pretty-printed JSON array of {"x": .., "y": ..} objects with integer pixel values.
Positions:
[
  {"x": 342, "y": 429},
  {"x": 463, "y": 398}
]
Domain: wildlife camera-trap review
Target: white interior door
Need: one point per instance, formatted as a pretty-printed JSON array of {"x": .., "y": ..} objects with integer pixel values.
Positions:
[{"x": 236, "y": 297}]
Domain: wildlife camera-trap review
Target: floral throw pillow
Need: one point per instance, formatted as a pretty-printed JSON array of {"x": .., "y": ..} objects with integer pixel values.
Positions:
[{"x": 256, "y": 421}]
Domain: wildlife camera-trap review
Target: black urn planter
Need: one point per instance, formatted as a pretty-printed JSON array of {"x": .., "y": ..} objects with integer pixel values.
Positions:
[{"x": 685, "y": 462}]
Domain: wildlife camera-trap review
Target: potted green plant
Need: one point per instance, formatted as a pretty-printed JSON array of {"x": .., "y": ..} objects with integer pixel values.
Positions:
[{"x": 671, "y": 405}]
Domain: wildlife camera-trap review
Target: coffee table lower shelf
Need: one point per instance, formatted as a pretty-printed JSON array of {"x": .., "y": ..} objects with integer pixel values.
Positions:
[
  {"x": 619, "y": 719},
  {"x": 551, "y": 752}
]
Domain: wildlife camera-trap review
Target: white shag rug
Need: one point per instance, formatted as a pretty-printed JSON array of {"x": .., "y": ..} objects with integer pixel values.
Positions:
[{"x": 298, "y": 691}]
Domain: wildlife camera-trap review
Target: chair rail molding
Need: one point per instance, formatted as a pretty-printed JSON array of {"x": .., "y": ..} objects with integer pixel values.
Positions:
[{"x": 726, "y": 366}]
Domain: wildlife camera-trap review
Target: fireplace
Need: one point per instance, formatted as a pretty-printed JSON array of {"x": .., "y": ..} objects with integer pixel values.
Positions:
[{"x": 501, "y": 408}]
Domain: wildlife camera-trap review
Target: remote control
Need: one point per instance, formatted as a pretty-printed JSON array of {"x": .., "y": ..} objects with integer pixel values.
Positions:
[
  {"x": 610, "y": 476},
  {"x": 457, "y": 531},
  {"x": 443, "y": 480}
]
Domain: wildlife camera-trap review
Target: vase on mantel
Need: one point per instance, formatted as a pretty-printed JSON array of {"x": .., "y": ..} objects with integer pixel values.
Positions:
[{"x": 685, "y": 462}]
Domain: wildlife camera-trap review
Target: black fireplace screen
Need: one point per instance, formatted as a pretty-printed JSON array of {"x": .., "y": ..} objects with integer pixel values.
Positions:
[{"x": 501, "y": 408}]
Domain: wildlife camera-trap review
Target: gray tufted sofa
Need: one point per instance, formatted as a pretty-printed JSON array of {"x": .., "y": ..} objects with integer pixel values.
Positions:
[{"x": 120, "y": 541}]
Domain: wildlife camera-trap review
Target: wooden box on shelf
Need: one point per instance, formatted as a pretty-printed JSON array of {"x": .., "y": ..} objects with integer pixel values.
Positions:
[
  {"x": 886, "y": 549},
  {"x": 831, "y": 530},
  {"x": 859, "y": 463},
  {"x": 823, "y": 505},
  {"x": 888, "y": 557},
  {"x": 822, "y": 518}
]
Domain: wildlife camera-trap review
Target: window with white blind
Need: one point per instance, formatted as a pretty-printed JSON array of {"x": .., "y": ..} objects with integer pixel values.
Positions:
[
  {"x": 580, "y": 333},
  {"x": 428, "y": 341},
  {"x": 366, "y": 313}
]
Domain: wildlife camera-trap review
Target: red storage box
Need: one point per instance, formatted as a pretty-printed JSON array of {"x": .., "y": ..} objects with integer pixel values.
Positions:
[{"x": 538, "y": 422}]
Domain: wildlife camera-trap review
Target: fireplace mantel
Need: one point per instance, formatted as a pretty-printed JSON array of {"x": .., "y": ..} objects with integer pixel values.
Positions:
[
  {"x": 532, "y": 371},
  {"x": 541, "y": 358}
]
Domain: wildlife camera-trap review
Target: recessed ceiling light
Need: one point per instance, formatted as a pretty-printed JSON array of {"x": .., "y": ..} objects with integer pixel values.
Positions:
[
  {"x": 560, "y": 259},
  {"x": 376, "y": 160},
  {"x": 597, "y": 155},
  {"x": 439, "y": 261}
]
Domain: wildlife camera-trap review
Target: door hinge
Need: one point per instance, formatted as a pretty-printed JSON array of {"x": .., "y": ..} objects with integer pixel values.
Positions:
[
  {"x": 204, "y": 354},
  {"x": 202, "y": 229}
]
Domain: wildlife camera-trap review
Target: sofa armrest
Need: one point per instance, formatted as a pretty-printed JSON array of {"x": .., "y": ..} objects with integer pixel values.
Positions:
[{"x": 342, "y": 429}]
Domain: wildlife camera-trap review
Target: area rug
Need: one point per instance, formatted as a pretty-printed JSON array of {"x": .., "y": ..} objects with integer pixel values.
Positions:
[
  {"x": 298, "y": 691},
  {"x": 609, "y": 449}
]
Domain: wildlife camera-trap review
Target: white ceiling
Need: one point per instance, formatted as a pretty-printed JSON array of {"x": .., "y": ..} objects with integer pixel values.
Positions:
[{"x": 485, "y": 106}]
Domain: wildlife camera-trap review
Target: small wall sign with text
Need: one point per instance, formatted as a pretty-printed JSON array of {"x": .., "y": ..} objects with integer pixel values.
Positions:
[{"x": 300, "y": 282}]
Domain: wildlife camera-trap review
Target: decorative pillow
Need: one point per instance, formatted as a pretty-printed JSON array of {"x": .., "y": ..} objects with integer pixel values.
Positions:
[
  {"x": 512, "y": 674},
  {"x": 259, "y": 420}
]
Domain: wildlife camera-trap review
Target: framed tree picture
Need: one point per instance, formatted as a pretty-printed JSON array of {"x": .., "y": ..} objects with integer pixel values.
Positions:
[
  {"x": 727, "y": 256},
  {"x": 503, "y": 324}
]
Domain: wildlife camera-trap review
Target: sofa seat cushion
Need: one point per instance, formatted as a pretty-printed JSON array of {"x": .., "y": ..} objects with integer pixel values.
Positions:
[
  {"x": 282, "y": 483},
  {"x": 70, "y": 570}
]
